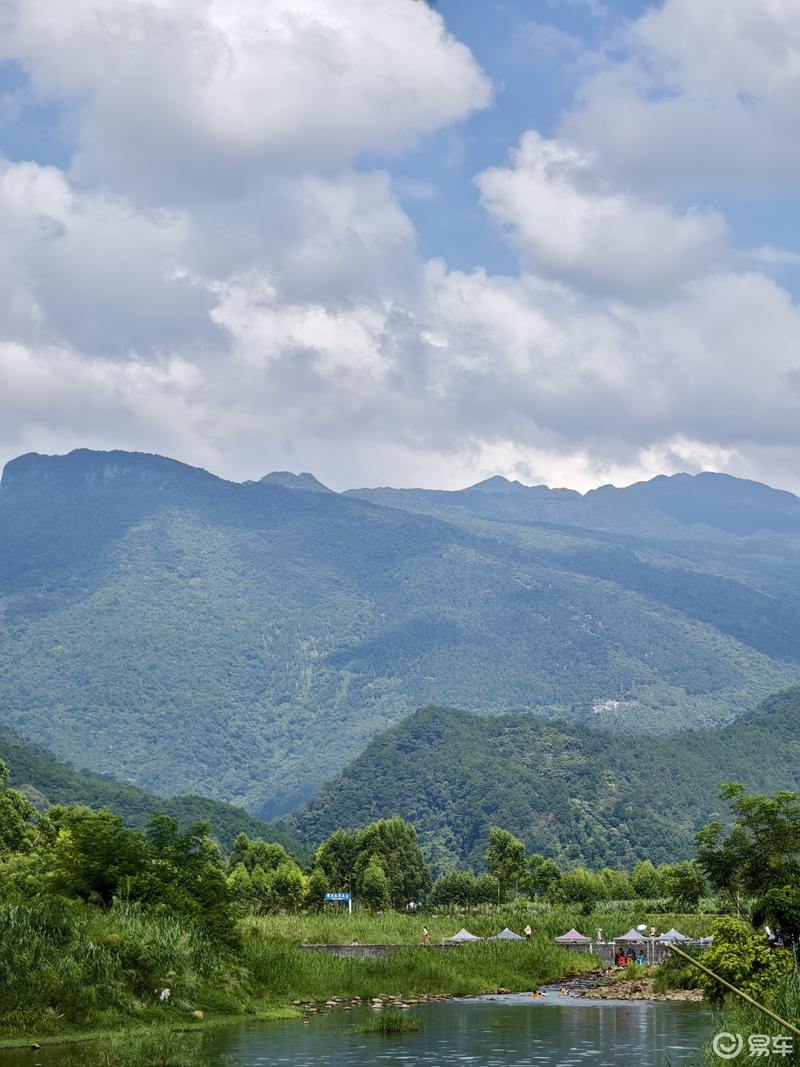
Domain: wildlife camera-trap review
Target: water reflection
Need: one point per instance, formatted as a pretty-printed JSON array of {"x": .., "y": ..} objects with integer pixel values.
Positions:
[{"x": 502, "y": 1032}]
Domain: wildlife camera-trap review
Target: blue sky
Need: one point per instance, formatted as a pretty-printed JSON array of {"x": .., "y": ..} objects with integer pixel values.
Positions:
[{"x": 389, "y": 243}]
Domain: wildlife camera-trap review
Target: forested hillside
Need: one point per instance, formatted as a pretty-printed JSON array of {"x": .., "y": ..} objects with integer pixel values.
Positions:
[
  {"x": 46, "y": 781},
  {"x": 577, "y": 795},
  {"x": 245, "y": 641}
]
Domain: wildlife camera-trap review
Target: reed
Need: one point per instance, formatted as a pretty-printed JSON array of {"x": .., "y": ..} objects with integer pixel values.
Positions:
[
  {"x": 159, "y": 1049},
  {"x": 387, "y": 1023},
  {"x": 290, "y": 973},
  {"x": 739, "y": 1017}
]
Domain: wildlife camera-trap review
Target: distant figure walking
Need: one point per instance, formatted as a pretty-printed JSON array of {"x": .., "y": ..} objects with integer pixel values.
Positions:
[
  {"x": 426, "y": 937},
  {"x": 528, "y": 932}
]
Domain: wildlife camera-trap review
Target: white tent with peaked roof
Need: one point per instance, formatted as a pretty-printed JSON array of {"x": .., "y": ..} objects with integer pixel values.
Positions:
[
  {"x": 672, "y": 935},
  {"x": 463, "y": 935},
  {"x": 633, "y": 937},
  {"x": 573, "y": 937},
  {"x": 506, "y": 935}
]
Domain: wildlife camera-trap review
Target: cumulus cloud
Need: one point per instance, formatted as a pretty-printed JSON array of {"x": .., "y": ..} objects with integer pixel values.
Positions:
[
  {"x": 568, "y": 226},
  {"x": 700, "y": 95},
  {"x": 172, "y": 96},
  {"x": 217, "y": 277}
]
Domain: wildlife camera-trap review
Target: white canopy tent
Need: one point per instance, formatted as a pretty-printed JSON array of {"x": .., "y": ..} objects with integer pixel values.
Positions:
[
  {"x": 672, "y": 935},
  {"x": 633, "y": 937},
  {"x": 462, "y": 935},
  {"x": 506, "y": 935}
]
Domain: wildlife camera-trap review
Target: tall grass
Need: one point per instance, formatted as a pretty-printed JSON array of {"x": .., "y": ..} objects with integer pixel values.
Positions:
[
  {"x": 290, "y": 973},
  {"x": 739, "y": 1017},
  {"x": 397, "y": 928},
  {"x": 158, "y": 1049},
  {"x": 68, "y": 967},
  {"x": 65, "y": 966}
]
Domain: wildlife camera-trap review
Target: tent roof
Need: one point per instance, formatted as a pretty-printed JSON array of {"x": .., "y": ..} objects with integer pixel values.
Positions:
[
  {"x": 632, "y": 935},
  {"x": 572, "y": 936},
  {"x": 463, "y": 935},
  {"x": 506, "y": 935},
  {"x": 673, "y": 935}
]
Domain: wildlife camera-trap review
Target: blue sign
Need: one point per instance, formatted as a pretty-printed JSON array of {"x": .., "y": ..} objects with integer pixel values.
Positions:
[{"x": 337, "y": 896}]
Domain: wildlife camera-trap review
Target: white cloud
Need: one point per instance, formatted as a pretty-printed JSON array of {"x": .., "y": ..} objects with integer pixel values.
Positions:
[
  {"x": 89, "y": 269},
  {"x": 702, "y": 95},
  {"x": 566, "y": 225},
  {"x": 180, "y": 95},
  {"x": 214, "y": 279}
]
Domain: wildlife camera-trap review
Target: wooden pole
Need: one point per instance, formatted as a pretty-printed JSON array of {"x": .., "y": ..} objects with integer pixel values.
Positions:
[{"x": 733, "y": 989}]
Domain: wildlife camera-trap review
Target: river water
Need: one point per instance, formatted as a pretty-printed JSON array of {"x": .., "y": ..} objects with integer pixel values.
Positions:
[{"x": 509, "y": 1031}]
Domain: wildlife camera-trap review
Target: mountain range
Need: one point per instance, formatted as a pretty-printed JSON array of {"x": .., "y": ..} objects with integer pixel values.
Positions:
[
  {"x": 578, "y": 795},
  {"x": 46, "y": 781},
  {"x": 247, "y": 641}
]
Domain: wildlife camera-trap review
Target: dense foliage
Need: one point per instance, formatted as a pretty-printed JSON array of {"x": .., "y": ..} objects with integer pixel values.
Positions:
[
  {"x": 45, "y": 780},
  {"x": 578, "y": 796},
  {"x": 758, "y": 856},
  {"x": 246, "y": 641},
  {"x": 382, "y": 864}
]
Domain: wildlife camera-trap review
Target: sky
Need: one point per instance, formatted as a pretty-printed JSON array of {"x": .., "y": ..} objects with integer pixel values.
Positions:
[{"x": 399, "y": 243}]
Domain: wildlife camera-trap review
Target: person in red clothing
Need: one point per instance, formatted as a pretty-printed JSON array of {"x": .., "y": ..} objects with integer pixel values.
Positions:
[{"x": 426, "y": 937}]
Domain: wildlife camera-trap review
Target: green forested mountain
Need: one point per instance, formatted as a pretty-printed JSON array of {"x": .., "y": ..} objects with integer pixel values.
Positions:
[
  {"x": 575, "y": 794},
  {"x": 46, "y": 781},
  {"x": 245, "y": 641}
]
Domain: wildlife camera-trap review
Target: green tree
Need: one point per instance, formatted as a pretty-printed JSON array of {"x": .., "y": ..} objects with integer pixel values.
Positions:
[
  {"x": 645, "y": 880},
  {"x": 318, "y": 886},
  {"x": 185, "y": 876},
  {"x": 780, "y": 907},
  {"x": 261, "y": 887},
  {"x": 759, "y": 855},
  {"x": 454, "y": 887},
  {"x": 685, "y": 884},
  {"x": 393, "y": 844},
  {"x": 580, "y": 887},
  {"x": 93, "y": 855},
  {"x": 543, "y": 875},
  {"x": 240, "y": 886},
  {"x": 505, "y": 859},
  {"x": 17, "y": 832},
  {"x": 743, "y": 958},
  {"x": 615, "y": 885},
  {"x": 374, "y": 889},
  {"x": 337, "y": 858},
  {"x": 289, "y": 887},
  {"x": 256, "y": 852},
  {"x": 484, "y": 890}
]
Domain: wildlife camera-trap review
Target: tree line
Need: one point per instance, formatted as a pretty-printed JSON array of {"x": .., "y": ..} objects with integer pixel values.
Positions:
[{"x": 752, "y": 865}]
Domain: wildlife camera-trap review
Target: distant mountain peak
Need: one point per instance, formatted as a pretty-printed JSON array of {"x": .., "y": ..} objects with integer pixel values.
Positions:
[
  {"x": 86, "y": 466},
  {"x": 304, "y": 481},
  {"x": 498, "y": 485}
]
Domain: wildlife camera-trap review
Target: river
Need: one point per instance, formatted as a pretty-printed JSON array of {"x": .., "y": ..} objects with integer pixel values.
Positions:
[{"x": 509, "y": 1031}]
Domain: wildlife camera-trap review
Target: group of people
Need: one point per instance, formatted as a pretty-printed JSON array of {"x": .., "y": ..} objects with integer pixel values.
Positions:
[{"x": 623, "y": 958}]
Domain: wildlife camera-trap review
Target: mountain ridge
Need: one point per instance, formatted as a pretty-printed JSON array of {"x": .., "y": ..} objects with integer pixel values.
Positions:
[
  {"x": 576, "y": 794},
  {"x": 247, "y": 640},
  {"x": 47, "y": 781}
]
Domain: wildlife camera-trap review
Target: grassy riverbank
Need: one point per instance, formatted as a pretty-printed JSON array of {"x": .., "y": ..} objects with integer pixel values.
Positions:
[
  {"x": 75, "y": 969},
  {"x": 78, "y": 971}
]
